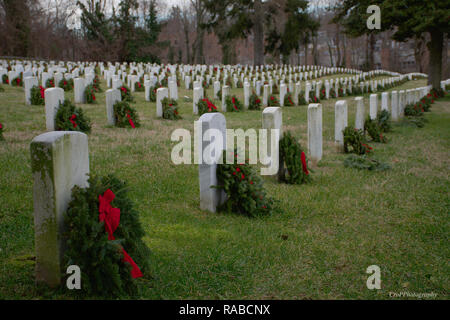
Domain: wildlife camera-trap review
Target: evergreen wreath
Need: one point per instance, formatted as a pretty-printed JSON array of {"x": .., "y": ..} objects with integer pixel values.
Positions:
[
  {"x": 341, "y": 92},
  {"x": 37, "y": 96},
  {"x": 70, "y": 118},
  {"x": 419, "y": 122},
  {"x": 244, "y": 189},
  {"x": 365, "y": 163},
  {"x": 332, "y": 93},
  {"x": 126, "y": 94},
  {"x": 272, "y": 101},
  {"x": 426, "y": 102},
  {"x": 314, "y": 99},
  {"x": 99, "y": 253},
  {"x": 205, "y": 84},
  {"x": 1, "y": 132},
  {"x": 5, "y": 79},
  {"x": 219, "y": 95},
  {"x": 374, "y": 130},
  {"x": 17, "y": 82},
  {"x": 301, "y": 99},
  {"x": 50, "y": 83},
  {"x": 437, "y": 93},
  {"x": 355, "y": 141},
  {"x": 66, "y": 85},
  {"x": 233, "y": 104},
  {"x": 288, "y": 100},
  {"x": 414, "y": 110},
  {"x": 153, "y": 94},
  {"x": 293, "y": 162},
  {"x": 239, "y": 84},
  {"x": 89, "y": 93},
  {"x": 323, "y": 93},
  {"x": 384, "y": 121},
  {"x": 170, "y": 109},
  {"x": 138, "y": 87},
  {"x": 206, "y": 106},
  {"x": 254, "y": 102},
  {"x": 125, "y": 115},
  {"x": 96, "y": 84}
]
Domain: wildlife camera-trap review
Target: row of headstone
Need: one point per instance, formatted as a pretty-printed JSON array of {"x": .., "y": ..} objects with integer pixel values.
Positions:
[{"x": 60, "y": 161}]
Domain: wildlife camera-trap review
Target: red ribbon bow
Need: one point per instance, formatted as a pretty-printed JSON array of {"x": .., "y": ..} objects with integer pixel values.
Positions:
[
  {"x": 72, "y": 119},
  {"x": 42, "y": 92},
  {"x": 305, "y": 168},
  {"x": 130, "y": 120},
  {"x": 210, "y": 104},
  {"x": 111, "y": 217}
]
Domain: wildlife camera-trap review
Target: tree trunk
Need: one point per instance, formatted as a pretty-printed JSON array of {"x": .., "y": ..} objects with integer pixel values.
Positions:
[
  {"x": 186, "y": 41},
  {"x": 371, "y": 57},
  {"x": 344, "y": 56},
  {"x": 306, "y": 53},
  {"x": 330, "y": 52},
  {"x": 199, "y": 57},
  {"x": 435, "y": 64},
  {"x": 258, "y": 33},
  {"x": 338, "y": 46}
]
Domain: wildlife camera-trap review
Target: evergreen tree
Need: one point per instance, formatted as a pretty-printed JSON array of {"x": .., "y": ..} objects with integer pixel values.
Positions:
[
  {"x": 297, "y": 28},
  {"x": 408, "y": 19}
]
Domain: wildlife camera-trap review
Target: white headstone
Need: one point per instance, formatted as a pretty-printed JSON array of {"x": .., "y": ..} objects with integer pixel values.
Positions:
[
  {"x": 161, "y": 93},
  {"x": 53, "y": 98},
  {"x": 384, "y": 101},
  {"x": 373, "y": 106},
  {"x": 59, "y": 161},
  {"x": 315, "y": 132},
  {"x": 246, "y": 95},
  {"x": 79, "y": 85},
  {"x": 272, "y": 118},
  {"x": 198, "y": 95},
  {"x": 211, "y": 131},
  {"x": 340, "y": 123},
  {"x": 283, "y": 90},
  {"x": 28, "y": 84},
  {"x": 360, "y": 113},
  {"x": 112, "y": 96},
  {"x": 265, "y": 101},
  {"x": 225, "y": 94}
]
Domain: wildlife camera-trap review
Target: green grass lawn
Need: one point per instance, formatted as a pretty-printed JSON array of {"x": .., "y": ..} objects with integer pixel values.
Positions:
[{"x": 318, "y": 247}]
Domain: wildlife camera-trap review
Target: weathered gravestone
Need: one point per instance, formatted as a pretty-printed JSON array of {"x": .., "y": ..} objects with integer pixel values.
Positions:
[
  {"x": 59, "y": 161},
  {"x": 112, "y": 96}
]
